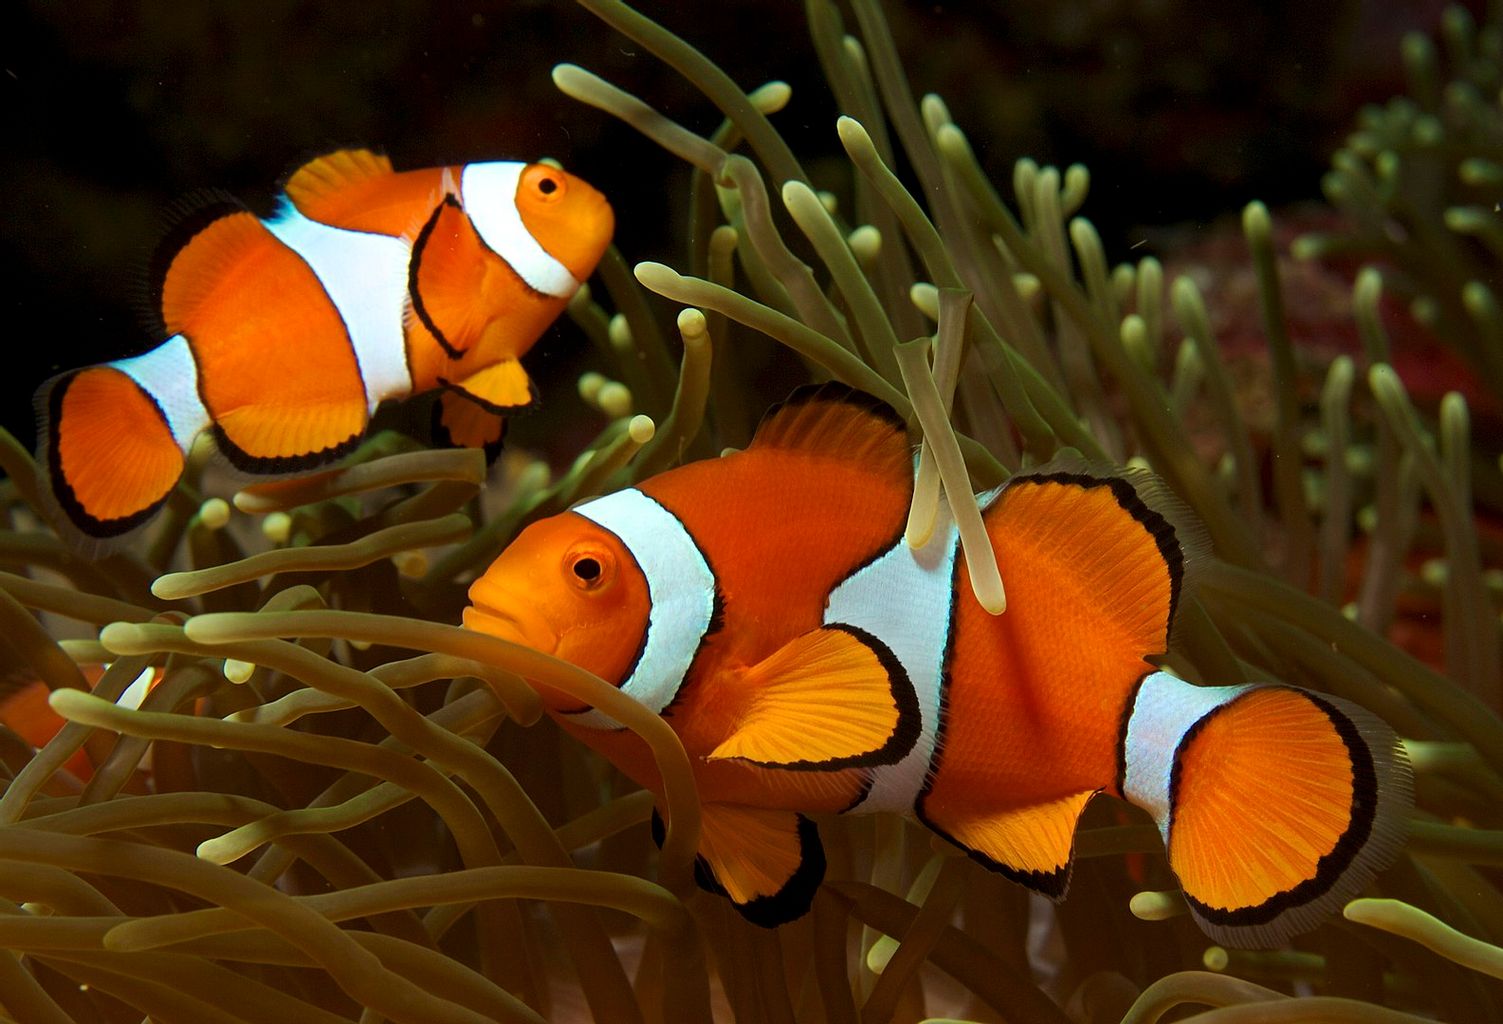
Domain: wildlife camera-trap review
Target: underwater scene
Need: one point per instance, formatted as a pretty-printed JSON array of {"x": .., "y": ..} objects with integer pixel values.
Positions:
[{"x": 844, "y": 512}]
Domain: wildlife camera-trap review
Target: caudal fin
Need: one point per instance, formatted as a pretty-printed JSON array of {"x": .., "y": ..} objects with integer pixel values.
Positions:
[
  {"x": 109, "y": 453},
  {"x": 1277, "y": 804}
]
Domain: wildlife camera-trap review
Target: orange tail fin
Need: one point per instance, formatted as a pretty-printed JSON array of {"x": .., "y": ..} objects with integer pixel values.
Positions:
[
  {"x": 109, "y": 451},
  {"x": 1277, "y": 804}
]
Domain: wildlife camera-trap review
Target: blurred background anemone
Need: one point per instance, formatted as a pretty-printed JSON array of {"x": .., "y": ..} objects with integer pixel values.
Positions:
[{"x": 333, "y": 805}]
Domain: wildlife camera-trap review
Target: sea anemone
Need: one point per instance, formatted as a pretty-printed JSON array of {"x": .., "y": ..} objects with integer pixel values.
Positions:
[{"x": 338, "y": 806}]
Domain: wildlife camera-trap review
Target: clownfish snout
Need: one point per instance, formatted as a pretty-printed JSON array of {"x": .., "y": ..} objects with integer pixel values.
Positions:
[
  {"x": 504, "y": 612},
  {"x": 568, "y": 588}
]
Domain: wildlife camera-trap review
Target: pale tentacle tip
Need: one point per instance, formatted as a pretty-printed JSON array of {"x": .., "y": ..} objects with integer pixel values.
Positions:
[
  {"x": 615, "y": 399},
  {"x": 237, "y": 671},
  {"x": 692, "y": 324},
  {"x": 214, "y": 514},
  {"x": 1215, "y": 958},
  {"x": 641, "y": 428},
  {"x": 1156, "y": 906}
]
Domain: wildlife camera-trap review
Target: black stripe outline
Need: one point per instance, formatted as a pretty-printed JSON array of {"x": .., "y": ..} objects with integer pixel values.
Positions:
[
  {"x": 414, "y": 262},
  {"x": 1331, "y": 866}
]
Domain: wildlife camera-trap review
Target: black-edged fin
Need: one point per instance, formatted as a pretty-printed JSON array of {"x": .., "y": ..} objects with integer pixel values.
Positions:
[
  {"x": 836, "y": 420},
  {"x": 108, "y": 457},
  {"x": 1032, "y": 845},
  {"x": 503, "y": 388},
  {"x": 1284, "y": 804},
  {"x": 1119, "y": 535},
  {"x": 459, "y": 422},
  {"x": 184, "y": 221},
  {"x": 767, "y": 863},
  {"x": 835, "y": 697},
  {"x": 329, "y": 179}
]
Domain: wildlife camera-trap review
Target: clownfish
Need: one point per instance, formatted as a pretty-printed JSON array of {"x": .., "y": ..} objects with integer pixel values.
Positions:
[
  {"x": 768, "y": 607},
  {"x": 24, "y": 711},
  {"x": 284, "y": 334}
]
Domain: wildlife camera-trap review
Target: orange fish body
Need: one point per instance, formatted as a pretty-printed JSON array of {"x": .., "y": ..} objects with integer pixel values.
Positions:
[
  {"x": 767, "y": 605},
  {"x": 285, "y": 334},
  {"x": 24, "y": 710}
]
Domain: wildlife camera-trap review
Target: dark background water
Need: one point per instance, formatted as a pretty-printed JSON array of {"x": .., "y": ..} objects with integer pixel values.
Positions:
[{"x": 113, "y": 110}]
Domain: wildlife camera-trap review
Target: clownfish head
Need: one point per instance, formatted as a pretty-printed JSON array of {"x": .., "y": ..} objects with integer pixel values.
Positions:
[
  {"x": 566, "y": 587},
  {"x": 551, "y": 226}
]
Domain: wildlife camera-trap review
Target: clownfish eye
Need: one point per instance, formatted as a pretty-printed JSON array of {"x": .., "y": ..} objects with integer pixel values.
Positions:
[
  {"x": 547, "y": 186},
  {"x": 588, "y": 569}
]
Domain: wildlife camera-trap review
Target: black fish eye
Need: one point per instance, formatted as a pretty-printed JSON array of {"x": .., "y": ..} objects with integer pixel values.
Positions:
[
  {"x": 587, "y": 569},
  {"x": 547, "y": 186}
]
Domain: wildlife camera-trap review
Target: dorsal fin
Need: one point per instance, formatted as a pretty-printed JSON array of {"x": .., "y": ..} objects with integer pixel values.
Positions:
[
  {"x": 837, "y": 421},
  {"x": 322, "y": 186}
]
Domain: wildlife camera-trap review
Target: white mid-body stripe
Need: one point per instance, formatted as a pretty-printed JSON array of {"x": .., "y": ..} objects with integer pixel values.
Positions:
[
  {"x": 169, "y": 375},
  {"x": 489, "y": 194},
  {"x": 905, "y": 598},
  {"x": 365, "y": 276},
  {"x": 1164, "y": 710},
  {"x": 680, "y": 591}
]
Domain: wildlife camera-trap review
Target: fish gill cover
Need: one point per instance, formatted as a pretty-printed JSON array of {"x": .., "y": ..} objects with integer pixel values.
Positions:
[{"x": 335, "y": 805}]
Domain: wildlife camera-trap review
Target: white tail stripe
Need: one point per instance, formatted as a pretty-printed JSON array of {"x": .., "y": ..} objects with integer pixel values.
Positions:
[
  {"x": 1165, "y": 709},
  {"x": 680, "y": 597},
  {"x": 169, "y": 374},
  {"x": 489, "y": 194},
  {"x": 905, "y": 598},
  {"x": 365, "y": 276}
]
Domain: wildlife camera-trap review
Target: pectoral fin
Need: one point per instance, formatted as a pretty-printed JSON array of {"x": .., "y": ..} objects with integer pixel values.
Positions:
[
  {"x": 1032, "y": 845},
  {"x": 835, "y": 697},
  {"x": 768, "y": 863},
  {"x": 502, "y": 388}
]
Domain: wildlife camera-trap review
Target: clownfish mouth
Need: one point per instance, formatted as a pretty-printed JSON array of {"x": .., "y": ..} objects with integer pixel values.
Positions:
[{"x": 485, "y": 619}]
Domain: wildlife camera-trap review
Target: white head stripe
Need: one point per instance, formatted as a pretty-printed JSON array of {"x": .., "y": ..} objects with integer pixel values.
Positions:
[
  {"x": 905, "y": 598},
  {"x": 169, "y": 374},
  {"x": 1165, "y": 709},
  {"x": 489, "y": 194},
  {"x": 365, "y": 276},
  {"x": 680, "y": 592}
]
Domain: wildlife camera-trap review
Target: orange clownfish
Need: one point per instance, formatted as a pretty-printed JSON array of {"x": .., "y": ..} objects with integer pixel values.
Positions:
[
  {"x": 24, "y": 711},
  {"x": 284, "y": 334},
  {"x": 767, "y": 605}
]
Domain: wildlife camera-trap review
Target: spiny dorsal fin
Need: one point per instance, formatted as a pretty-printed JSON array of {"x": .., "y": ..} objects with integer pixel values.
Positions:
[
  {"x": 328, "y": 179},
  {"x": 837, "y": 421}
]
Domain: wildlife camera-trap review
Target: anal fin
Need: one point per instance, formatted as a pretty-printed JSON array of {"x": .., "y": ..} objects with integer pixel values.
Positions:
[
  {"x": 835, "y": 697},
  {"x": 1032, "y": 845},
  {"x": 768, "y": 863}
]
